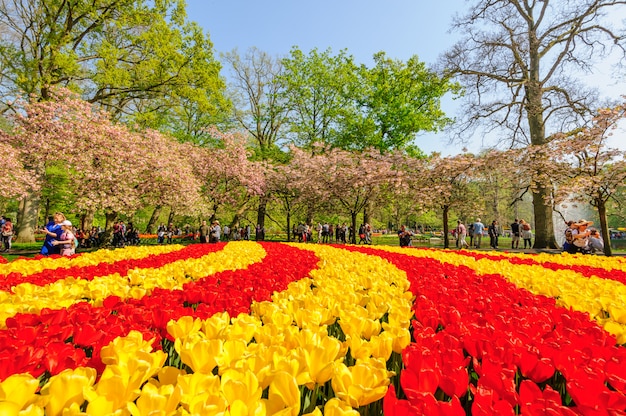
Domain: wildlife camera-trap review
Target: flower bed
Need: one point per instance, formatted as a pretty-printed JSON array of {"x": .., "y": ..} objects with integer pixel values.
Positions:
[{"x": 268, "y": 328}]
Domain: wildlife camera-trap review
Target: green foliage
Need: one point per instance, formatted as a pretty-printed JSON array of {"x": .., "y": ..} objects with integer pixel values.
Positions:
[
  {"x": 394, "y": 101},
  {"x": 141, "y": 60},
  {"x": 317, "y": 92},
  {"x": 336, "y": 102}
]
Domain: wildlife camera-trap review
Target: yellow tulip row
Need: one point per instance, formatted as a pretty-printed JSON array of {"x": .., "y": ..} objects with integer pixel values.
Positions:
[
  {"x": 603, "y": 299},
  {"x": 275, "y": 361},
  {"x": 566, "y": 259},
  {"x": 29, "y": 266},
  {"x": 139, "y": 282}
]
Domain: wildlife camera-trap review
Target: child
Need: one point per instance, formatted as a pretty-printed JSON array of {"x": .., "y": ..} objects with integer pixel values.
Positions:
[{"x": 67, "y": 239}]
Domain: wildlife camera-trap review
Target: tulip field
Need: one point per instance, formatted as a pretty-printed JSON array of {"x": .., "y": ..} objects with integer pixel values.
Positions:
[{"x": 246, "y": 328}]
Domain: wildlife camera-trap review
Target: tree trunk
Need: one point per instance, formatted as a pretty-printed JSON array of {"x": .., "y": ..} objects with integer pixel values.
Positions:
[
  {"x": 170, "y": 218},
  {"x": 542, "y": 206},
  {"x": 604, "y": 227},
  {"x": 86, "y": 220},
  {"x": 544, "y": 226},
  {"x": 309, "y": 215},
  {"x": 355, "y": 230},
  {"x": 20, "y": 214},
  {"x": 446, "y": 239},
  {"x": 287, "y": 207},
  {"x": 261, "y": 210},
  {"x": 111, "y": 217},
  {"x": 213, "y": 216},
  {"x": 27, "y": 219},
  {"x": 153, "y": 219},
  {"x": 237, "y": 217}
]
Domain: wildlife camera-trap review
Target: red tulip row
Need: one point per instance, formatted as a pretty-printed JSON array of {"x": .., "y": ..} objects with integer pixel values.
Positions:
[
  {"x": 54, "y": 340},
  {"x": 486, "y": 347}
]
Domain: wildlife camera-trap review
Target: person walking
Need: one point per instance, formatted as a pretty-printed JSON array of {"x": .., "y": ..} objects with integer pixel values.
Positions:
[
  {"x": 405, "y": 236},
  {"x": 7, "y": 234},
  {"x": 216, "y": 232},
  {"x": 461, "y": 234},
  {"x": 66, "y": 240},
  {"x": 526, "y": 233},
  {"x": 204, "y": 232},
  {"x": 515, "y": 234},
  {"x": 479, "y": 229},
  {"x": 53, "y": 232},
  {"x": 493, "y": 234}
]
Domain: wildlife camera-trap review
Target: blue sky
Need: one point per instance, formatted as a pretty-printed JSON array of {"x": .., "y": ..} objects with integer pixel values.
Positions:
[{"x": 400, "y": 28}]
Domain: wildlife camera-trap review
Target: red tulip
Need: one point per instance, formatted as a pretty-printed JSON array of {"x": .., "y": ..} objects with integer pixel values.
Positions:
[{"x": 422, "y": 372}]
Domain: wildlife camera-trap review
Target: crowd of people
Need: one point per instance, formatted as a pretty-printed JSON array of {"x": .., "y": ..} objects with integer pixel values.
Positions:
[
  {"x": 62, "y": 238},
  {"x": 579, "y": 237},
  {"x": 332, "y": 233}
]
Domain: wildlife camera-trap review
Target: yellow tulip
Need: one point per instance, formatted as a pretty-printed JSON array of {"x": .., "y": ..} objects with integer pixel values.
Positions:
[
  {"x": 617, "y": 330},
  {"x": 100, "y": 405},
  {"x": 244, "y": 327},
  {"x": 243, "y": 386},
  {"x": 320, "y": 359},
  {"x": 400, "y": 336},
  {"x": 361, "y": 384},
  {"x": 195, "y": 385},
  {"x": 205, "y": 404},
  {"x": 34, "y": 410},
  {"x": 240, "y": 408},
  {"x": 183, "y": 327},
  {"x": 618, "y": 313},
  {"x": 232, "y": 351},
  {"x": 315, "y": 412},
  {"x": 116, "y": 388},
  {"x": 66, "y": 388},
  {"x": 291, "y": 362},
  {"x": 216, "y": 326},
  {"x": 284, "y": 395},
  {"x": 120, "y": 348},
  {"x": 199, "y": 353},
  {"x": 9, "y": 408},
  {"x": 260, "y": 361},
  {"x": 153, "y": 401},
  {"x": 19, "y": 389},
  {"x": 379, "y": 347},
  {"x": 168, "y": 376},
  {"x": 335, "y": 407}
]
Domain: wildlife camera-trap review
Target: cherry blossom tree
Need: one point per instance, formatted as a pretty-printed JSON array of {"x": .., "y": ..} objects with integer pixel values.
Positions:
[
  {"x": 47, "y": 134},
  {"x": 352, "y": 179},
  {"x": 109, "y": 171},
  {"x": 109, "y": 167},
  {"x": 444, "y": 185},
  {"x": 169, "y": 178},
  {"x": 594, "y": 172},
  {"x": 15, "y": 181},
  {"x": 228, "y": 178}
]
